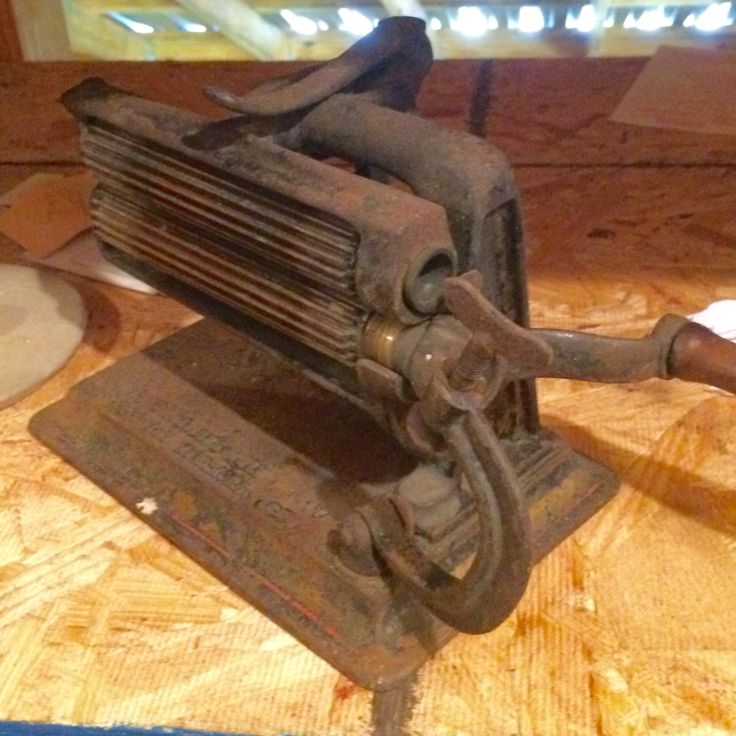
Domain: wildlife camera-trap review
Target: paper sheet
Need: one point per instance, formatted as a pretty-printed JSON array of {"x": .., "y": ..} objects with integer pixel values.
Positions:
[
  {"x": 32, "y": 181},
  {"x": 720, "y": 317},
  {"x": 48, "y": 215},
  {"x": 82, "y": 255},
  {"x": 685, "y": 89},
  {"x": 46, "y": 211}
]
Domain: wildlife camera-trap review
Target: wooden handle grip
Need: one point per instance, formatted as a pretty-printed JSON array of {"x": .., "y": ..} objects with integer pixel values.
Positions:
[{"x": 700, "y": 355}]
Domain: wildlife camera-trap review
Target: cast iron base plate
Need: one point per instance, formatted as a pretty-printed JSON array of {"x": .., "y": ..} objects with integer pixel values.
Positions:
[{"x": 246, "y": 465}]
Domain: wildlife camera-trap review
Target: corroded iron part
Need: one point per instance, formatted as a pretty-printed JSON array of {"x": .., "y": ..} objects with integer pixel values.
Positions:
[
  {"x": 412, "y": 305},
  {"x": 385, "y": 67}
]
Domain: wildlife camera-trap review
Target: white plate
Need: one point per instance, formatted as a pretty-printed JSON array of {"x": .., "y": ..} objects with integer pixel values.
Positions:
[{"x": 42, "y": 320}]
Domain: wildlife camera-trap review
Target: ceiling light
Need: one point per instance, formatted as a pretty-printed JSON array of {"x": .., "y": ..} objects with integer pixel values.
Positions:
[
  {"x": 715, "y": 16},
  {"x": 531, "y": 19},
  {"x": 653, "y": 19},
  {"x": 132, "y": 25},
  {"x": 192, "y": 27},
  {"x": 353, "y": 21},
  {"x": 298, "y": 23},
  {"x": 470, "y": 21},
  {"x": 585, "y": 21}
]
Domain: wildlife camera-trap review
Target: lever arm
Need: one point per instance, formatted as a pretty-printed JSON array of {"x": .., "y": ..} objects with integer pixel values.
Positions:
[
  {"x": 498, "y": 575},
  {"x": 586, "y": 357},
  {"x": 675, "y": 348},
  {"x": 386, "y": 66}
]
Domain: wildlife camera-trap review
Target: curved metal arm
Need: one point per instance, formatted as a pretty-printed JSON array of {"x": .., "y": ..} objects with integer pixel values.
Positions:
[
  {"x": 675, "y": 348},
  {"x": 498, "y": 575},
  {"x": 387, "y": 66},
  {"x": 584, "y": 356}
]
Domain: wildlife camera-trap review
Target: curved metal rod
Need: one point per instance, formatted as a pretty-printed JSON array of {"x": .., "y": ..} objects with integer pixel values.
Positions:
[
  {"x": 500, "y": 570},
  {"x": 675, "y": 348},
  {"x": 588, "y": 357},
  {"x": 399, "y": 44}
]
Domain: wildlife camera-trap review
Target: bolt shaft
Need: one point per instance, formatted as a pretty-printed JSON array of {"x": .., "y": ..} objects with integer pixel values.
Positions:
[{"x": 470, "y": 366}]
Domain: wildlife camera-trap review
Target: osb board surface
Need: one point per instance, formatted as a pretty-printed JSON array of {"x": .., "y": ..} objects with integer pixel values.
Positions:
[
  {"x": 627, "y": 628},
  {"x": 538, "y": 111},
  {"x": 556, "y": 112}
]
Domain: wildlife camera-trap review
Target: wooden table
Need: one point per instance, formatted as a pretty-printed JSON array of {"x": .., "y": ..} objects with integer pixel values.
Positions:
[{"x": 627, "y": 628}]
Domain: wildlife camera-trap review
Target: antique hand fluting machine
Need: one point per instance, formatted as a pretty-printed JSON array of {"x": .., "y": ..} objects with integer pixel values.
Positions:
[{"x": 381, "y": 256}]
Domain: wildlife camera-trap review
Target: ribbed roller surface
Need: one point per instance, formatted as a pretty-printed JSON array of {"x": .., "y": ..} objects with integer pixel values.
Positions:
[{"x": 276, "y": 260}]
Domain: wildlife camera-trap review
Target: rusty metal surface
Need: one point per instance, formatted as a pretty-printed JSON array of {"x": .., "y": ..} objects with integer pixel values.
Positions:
[
  {"x": 135, "y": 148},
  {"x": 447, "y": 423},
  {"x": 215, "y": 455},
  {"x": 386, "y": 67},
  {"x": 500, "y": 568}
]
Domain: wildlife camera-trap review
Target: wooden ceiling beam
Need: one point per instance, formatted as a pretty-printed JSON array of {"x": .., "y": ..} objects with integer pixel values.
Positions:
[
  {"x": 504, "y": 44},
  {"x": 126, "y": 6},
  {"x": 10, "y": 48},
  {"x": 95, "y": 36},
  {"x": 237, "y": 20},
  {"x": 41, "y": 29}
]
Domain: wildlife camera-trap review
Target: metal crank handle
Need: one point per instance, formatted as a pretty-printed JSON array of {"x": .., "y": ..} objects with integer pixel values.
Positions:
[
  {"x": 498, "y": 575},
  {"x": 675, "y": 348}
]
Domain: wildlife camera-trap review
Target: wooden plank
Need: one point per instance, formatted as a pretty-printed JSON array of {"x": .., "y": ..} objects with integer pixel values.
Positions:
[
  {"x": 627, "y": 628},
  {"x": 556, "y": 112},
  {"x": 541, "y": 112},
  {"x": 620, "y": 41},
  {"x": 100, "y": 37},
  {"x": 237, "y": 20},
  {"x": 504, "y": 44},
  {"x": 10, "y": 48},
  {"x": 127, "y": 6},
  {"x": 41, "y": 28}
]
